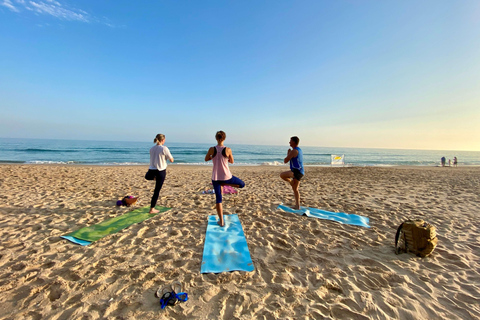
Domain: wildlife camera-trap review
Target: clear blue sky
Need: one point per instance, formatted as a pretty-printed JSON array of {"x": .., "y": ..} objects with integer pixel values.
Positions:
[{"x": 385, "y": 74}]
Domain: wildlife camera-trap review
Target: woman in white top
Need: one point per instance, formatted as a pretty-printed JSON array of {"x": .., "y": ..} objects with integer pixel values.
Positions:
[{"x": 158, "y": 167}]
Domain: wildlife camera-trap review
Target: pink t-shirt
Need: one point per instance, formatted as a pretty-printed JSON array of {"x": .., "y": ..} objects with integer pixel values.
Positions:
[{"x": 220, "y": 166}]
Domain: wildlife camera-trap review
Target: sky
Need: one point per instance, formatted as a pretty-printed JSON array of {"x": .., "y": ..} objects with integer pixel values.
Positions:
[{"x": 365, "y": 74}]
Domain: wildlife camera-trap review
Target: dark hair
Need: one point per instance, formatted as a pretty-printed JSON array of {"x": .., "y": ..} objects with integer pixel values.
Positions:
[
  {"x": 220, "y": 136},
  {"x": 159, "y": 137},
  {"x": 295, "y": 139}
]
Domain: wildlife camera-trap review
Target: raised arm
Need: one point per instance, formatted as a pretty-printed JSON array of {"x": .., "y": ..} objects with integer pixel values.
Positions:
[
  {"x": 292, "y": 153},
  {"x": 168, "y": 155},
  {"x": 229, "y": 154},
  {"x": 209, "y": 154}
]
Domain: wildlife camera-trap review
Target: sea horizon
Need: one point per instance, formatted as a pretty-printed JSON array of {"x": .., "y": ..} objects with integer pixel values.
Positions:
[
  {"x": 235, "y": 144},
  {"x": 104, "y": 152}
]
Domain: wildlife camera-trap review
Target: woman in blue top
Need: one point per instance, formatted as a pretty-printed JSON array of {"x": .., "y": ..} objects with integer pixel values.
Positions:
[{"x": 296, "y": 173}]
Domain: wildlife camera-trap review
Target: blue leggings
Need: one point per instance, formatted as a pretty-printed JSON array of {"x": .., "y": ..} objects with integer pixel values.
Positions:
[{"x": 217, "y": 186}]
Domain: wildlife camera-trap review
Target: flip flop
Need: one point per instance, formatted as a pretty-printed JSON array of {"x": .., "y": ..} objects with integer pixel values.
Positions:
[
  {"x": 176, "y": 286},
  {"x": 168, "y": 299},
  {"x": 179, "y": 294},
  {"x": 171, "y": 294},
  {"x": 167, "y": 296},
  {"x": 162, "y": 290}
]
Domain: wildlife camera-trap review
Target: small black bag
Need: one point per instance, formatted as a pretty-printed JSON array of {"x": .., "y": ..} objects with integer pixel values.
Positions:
[{"x": 151, "y": 174}]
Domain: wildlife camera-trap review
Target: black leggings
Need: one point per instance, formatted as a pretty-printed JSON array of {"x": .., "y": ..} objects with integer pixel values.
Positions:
[{"x": 159, "y": 179}]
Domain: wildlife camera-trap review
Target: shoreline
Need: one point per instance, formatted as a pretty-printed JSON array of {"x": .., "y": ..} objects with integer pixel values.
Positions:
[
  {"x": 235, "y": 165},
  {"x": 304, "y": 267}
]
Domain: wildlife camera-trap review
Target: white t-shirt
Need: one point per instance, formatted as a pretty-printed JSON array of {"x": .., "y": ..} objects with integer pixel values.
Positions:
[{"x": 158, "y": 157}]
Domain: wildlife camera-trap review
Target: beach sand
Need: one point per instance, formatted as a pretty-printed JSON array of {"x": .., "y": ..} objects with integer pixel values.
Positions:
[{"x": 305, "y": 268}]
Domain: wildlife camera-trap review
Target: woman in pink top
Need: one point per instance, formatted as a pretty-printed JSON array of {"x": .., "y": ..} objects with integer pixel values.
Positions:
[{"x": 221, "y": 175}]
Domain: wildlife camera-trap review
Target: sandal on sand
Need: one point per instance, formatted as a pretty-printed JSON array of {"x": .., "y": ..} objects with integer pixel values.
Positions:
[
  {"x": 168, "y": 299},
  {"x": 176, "y": 286},
  {"x": 179, "y": 294},
  {"x": 168, "y": 294},
  {"x": 162, "y": 290}
]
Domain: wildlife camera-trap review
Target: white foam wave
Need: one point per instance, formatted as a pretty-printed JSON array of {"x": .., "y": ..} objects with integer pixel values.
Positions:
[
  {"x": 190, "y": 164},
  {"x": 50, "y": 162},
  {"x": 272, "y": 163}
]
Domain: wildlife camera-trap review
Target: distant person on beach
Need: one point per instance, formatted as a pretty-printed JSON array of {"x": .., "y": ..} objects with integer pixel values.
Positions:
[
  {"x": 158, "y": 167},
  {"x": 297, "y": 171},
  {"x": 455, "y": 161},
  {"x": 443, "y": 160},
  {"x": 221, "y": 175}
]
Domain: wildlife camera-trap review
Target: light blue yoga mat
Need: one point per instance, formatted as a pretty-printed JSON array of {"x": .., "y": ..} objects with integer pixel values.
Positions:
[
  {"x": 76, "y": 240},
  {"x": 225, "y": 247},
  {"x": 342, "y": 217}
]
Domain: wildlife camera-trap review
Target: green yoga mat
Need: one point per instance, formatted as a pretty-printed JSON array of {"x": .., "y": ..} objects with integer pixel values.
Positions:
[{"x": 98, "y": 231}]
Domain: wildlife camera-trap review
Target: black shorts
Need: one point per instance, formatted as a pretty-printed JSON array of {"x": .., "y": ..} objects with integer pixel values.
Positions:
[{"x": 297, "y": 175}]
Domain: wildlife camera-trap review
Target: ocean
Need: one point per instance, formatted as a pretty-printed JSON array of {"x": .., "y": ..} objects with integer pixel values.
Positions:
[{"x": 49, "y": 151}]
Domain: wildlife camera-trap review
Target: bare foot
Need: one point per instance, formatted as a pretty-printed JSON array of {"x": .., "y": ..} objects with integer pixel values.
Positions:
[
  {"x": 153, "y": 210},
  {"x": 296, "y": 207},
  {"x": 221, "y": 224}
]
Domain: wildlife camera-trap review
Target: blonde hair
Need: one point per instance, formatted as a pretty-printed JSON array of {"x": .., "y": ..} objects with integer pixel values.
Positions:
[{"x": 159, "y": 137}]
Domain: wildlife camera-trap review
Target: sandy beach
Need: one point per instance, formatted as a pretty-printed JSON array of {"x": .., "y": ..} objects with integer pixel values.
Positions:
[{"x": 305, "y": 268}]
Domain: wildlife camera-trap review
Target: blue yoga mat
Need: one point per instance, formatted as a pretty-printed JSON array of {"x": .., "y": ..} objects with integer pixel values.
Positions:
[
  {"x": 76, "y": 240},
  {"x": 225, "y": 247},
  {"x": 342, "y": 217}
]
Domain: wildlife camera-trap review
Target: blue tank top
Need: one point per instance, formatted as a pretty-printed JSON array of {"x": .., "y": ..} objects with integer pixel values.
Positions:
[{"x": 297, "y": 162}]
